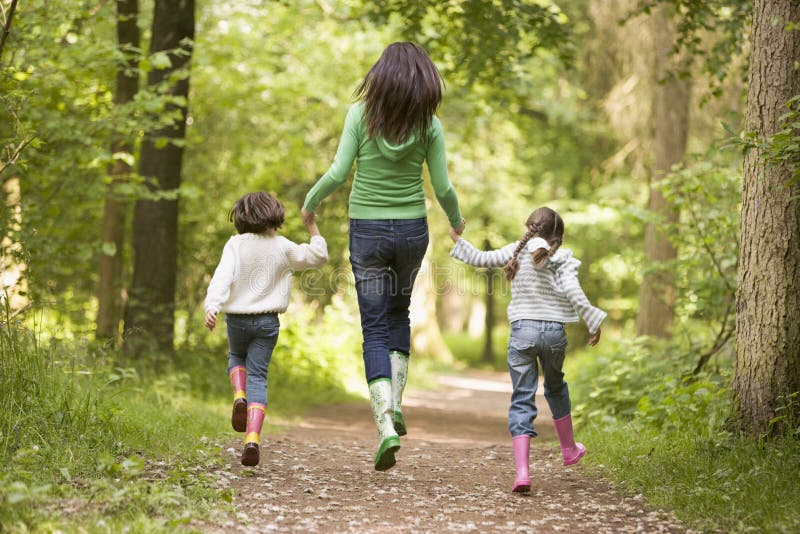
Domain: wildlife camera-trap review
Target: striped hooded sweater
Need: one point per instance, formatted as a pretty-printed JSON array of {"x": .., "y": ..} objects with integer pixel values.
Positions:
[{"x": 547, "y": 292}]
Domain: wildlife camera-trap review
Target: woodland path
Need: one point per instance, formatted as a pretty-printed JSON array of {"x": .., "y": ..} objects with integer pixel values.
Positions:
[{"x": 454, "y": 472}]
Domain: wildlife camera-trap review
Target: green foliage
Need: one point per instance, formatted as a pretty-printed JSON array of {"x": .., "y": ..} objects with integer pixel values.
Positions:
[
  {"x": 711, "y": 33},
  {"x": 620, "y": 381},
  {"x": 707, "y": 195},
  {"x": 782, "y": 147},
  {"x": 480, "y": 40},
  {"x": 720, "y": 484},
  {"x": 81, "y": 441}
]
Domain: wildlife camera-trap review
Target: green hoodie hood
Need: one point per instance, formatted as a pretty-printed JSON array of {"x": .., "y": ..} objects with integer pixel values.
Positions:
[{"x": 396, "y": 152}]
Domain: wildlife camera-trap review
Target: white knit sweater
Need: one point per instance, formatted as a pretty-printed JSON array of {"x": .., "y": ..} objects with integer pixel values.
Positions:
[
  {"x": 254, "y": 274},
  {"x": 547, "y": 292}
]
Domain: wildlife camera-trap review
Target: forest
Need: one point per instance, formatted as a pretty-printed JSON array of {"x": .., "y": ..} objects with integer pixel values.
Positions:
[{"x": 666, "y": 133}]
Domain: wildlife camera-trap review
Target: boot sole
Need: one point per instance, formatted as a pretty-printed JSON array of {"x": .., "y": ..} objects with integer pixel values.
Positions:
[
  {"x": 521, "y": 488},
  {"x": 399, "y": 424},
  {"x": 239, "y": 415},
  {"x": 384, "y": 458},
  {"x": 250, "y": 456}
]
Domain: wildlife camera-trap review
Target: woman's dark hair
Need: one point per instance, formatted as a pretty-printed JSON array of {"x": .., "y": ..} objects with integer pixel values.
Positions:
[
  {"x": 256, "y": 213},
  {"x": 544, "y": 223},
  {"x": 400, "y": 92}
]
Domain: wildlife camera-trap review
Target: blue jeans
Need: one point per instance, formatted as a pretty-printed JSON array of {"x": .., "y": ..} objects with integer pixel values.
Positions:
[
  {"x": 529, "y": 340},
  {"x": 251, "y": 340},
  {"x": 385, "y": 255}
]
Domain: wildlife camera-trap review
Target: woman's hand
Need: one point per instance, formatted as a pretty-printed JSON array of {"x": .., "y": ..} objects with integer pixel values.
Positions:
[
  {"x": 594, "y": 339},
  {"x": 458, "y": 230},
  {"x": 211, "y": 320},
  {"x": 454, "y": 235}
]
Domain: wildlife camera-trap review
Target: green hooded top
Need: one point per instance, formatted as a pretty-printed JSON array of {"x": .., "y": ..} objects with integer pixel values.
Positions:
[{"x": 388, "y": 178}]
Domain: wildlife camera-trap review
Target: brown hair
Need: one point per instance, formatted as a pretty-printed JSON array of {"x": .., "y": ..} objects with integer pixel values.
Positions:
[
  {"x": 256, "y": 213},
  {"x": 400, "y": 92},
  {"x": 545, "y": 223}
]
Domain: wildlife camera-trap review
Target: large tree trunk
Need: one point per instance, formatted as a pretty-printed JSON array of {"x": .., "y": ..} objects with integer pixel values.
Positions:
[
  {"x": 767, "y": 367},
  {"x": 149, "y": 319},
  {"x": 109, "y": 285},
  {"x": 670, "y": 128}
]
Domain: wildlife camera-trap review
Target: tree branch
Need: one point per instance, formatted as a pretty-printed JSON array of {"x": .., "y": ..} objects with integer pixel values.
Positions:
[
  {"x": 14, "y": 155},
  {"x": 9, "y": 17}
]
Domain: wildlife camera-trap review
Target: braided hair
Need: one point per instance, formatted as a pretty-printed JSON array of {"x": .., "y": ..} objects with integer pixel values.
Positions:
[{"x": 545, "y": 223}]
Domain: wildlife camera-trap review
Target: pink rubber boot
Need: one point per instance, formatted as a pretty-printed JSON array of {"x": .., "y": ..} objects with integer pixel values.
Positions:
[
  {"x": 522, "y": 482},
  {"x": 255, "y": 418},
  {"x": 238, "y": 376},
  {"x": 571, "y": 452}
]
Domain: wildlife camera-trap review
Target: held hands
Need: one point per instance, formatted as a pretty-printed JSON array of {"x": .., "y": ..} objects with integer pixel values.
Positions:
[
  {"x": 310, "y": 221},
  {"x": 594, "y": 339},
  {"x": 211, "y": 320},
  {"x": 455, "y": 233}
]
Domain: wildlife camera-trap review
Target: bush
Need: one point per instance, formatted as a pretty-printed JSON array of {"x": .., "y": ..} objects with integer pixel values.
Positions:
[{"x": 73, "y": 428}]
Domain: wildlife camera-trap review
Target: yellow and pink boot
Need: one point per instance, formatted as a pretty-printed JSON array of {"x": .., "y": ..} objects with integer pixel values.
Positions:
[
  {"x": 238, "y": 376},
  {"x": 255, "y": 419}
]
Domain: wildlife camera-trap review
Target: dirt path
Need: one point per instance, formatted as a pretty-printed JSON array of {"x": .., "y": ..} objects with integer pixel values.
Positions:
[{"x": 453, "y": 474}]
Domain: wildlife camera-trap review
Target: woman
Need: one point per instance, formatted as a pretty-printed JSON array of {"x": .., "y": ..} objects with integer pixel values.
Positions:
[{"x": 389, "y": 132}]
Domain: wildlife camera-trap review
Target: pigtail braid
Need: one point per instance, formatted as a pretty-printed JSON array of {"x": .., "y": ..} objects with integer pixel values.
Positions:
[{"x": 512, "y": 266}]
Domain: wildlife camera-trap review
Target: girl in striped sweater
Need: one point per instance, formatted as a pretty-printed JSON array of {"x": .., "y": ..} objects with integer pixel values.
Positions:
[{"x": 545, "y": 294}]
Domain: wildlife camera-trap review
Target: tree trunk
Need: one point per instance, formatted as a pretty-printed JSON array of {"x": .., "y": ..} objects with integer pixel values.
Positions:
[
  {"x": 6, "y": 30},
  {"x": 149, "y": 319},
  {"x": 767, "y": 368},
  {"x": 109, "y": 285},
  {"x": 670, "y": 129},
  {"x": 488, "y": 345}
]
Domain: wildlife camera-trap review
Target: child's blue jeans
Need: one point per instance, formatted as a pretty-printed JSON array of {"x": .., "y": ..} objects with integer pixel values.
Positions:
[
  {"x": 251, "y": 340},
  {"x": 386, "y": 255},
  {"x": 529, "y": 340}
]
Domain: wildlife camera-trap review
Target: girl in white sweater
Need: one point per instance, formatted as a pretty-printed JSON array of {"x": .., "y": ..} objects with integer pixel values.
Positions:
[
  {"x": 251, "y": 286},
  {"x": 545, "y": 294}
]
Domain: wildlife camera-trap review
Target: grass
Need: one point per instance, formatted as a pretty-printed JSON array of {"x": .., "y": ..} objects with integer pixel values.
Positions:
[
  {"x": 83, "y": 444},
  {"x": 660, "y": 432},
  {"x": 729, "y": 484},
  {"x": 87, "y": 445}
]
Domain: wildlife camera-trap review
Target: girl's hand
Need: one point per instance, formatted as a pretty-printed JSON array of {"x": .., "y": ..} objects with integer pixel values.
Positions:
[
  {"x": 594, "y": 339},
  {"x": 211, "y": 320},
  {"x": 309, "y": 217}
]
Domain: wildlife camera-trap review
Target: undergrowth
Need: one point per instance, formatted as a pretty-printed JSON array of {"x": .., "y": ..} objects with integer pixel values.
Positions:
[
  {"x": 87, "y": 444},
  {"x": 656, "y": 429}
]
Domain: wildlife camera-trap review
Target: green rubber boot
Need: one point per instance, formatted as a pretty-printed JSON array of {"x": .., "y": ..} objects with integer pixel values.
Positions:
[
  {"x": 399, "y": 376},
  {"x": 380, "y": 398}
]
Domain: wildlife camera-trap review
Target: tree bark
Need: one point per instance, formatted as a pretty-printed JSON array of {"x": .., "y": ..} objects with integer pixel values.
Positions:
[
  {"x": 767, "y": 367},
  {"x": 9, "y": 18},
  {"x": 149, "y": 317},
  {"x": 670, "y": 115},
  {"x": 109, "y": 285}
]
